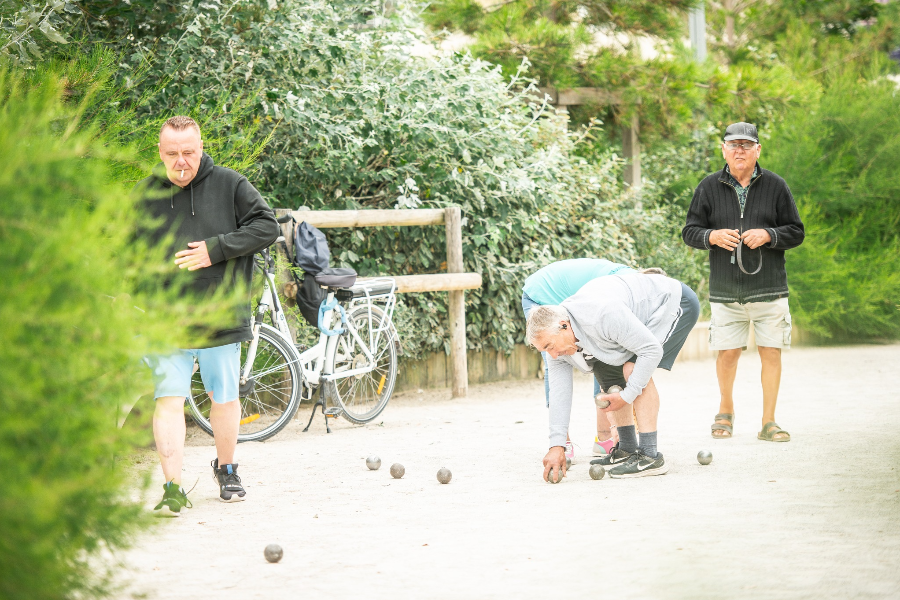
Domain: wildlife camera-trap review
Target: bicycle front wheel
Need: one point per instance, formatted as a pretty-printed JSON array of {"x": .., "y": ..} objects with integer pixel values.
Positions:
[
  {"x": 362, "y": 397},
  {"x": 270, "y": 397}
]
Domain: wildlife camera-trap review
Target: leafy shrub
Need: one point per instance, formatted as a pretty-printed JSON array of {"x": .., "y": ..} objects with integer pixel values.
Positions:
[
  {"x": 839, "y": 158},
  {"x": 357, "y": 121},
  {"x": 66, "y": 347},
  {"x": 72, "y": 335}
]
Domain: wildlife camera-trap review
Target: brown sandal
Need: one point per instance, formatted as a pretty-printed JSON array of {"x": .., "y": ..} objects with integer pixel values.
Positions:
[
  {"x": 770, "y": 430},
  {"x": 729, "y": 428}
]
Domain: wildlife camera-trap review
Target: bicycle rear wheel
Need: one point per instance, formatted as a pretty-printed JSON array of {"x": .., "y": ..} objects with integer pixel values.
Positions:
[
  {"x": 361, "y": 398},
  {"x": 270, "y": 397}
]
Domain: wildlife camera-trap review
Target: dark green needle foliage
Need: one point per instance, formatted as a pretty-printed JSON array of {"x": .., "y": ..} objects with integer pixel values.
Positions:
[{"x": 74, "y": 327}]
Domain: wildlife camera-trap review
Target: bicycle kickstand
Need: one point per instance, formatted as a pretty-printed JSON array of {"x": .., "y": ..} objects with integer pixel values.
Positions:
[{"x": 319, "y": 402}]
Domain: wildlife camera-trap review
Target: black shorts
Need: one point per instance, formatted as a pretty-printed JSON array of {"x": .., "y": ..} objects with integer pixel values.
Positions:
[{"x": 609, "y": 375}]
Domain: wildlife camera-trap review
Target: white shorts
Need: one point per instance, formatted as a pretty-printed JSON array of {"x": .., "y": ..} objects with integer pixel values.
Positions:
[{"x": 729, "y": 327}]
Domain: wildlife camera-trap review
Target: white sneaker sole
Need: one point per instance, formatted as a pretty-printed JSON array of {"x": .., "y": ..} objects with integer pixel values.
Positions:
[
  {"x": 234, "y": 498},
  {"x": 608, "y": 467},
  {"x": 645, "y": 473}
]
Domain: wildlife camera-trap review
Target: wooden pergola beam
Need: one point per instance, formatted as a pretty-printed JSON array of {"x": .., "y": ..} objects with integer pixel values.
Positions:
[{"x": 562, "y": 99}]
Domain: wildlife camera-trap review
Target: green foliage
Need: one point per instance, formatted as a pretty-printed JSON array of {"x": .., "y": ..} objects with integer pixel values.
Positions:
[
  {"x": 67, "y": 346},
  {"x": 358, "y": 122},
  {"x": 73, "y": 338},
  {"x": 29, "y": 29},
  {"x": 839, "y": 157}
]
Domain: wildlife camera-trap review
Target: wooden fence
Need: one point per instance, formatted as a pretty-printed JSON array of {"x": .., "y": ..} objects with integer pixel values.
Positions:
[{"x": 454, "y": 281}]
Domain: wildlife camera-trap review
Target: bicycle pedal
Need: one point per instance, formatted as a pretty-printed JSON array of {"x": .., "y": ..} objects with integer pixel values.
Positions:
[{"x": 333, "y": 412}]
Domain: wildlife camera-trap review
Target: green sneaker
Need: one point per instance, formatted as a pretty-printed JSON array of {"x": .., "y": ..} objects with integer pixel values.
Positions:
[{"x": 173, "y": 500}]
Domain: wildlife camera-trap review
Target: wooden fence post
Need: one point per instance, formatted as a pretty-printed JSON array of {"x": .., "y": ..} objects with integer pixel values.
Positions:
[
  {"x": 631, "y": 149},
  {"x": 457, "y": 306}
]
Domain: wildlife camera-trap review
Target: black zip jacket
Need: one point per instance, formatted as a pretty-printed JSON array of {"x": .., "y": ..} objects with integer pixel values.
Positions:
[
  {"x": 219, "y": 206},
  {"x": 769, "y": 206}
]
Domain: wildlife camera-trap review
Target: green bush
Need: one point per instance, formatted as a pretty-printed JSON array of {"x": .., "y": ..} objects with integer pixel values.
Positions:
[
  {"x": 74, "y": 327},
  {"x": 357, "y": 121},
  {"x": 839, "y": 158}
]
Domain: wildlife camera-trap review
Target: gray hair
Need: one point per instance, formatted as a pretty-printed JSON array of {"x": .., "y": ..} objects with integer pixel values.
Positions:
[{"x": 544, "y": 318}]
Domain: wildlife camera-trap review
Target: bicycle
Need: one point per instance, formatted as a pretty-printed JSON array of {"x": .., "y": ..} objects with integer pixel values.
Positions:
[{"x": 352, "y": 367}]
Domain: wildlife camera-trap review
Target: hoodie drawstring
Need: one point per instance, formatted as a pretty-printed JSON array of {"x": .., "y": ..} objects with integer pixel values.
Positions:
[{"x": 172, "y": 197}]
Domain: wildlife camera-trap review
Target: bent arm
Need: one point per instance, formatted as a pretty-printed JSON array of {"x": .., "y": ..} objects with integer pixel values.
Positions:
[
  {"x": 631, "y": 334},
  {"x": 257, "y": 227}
]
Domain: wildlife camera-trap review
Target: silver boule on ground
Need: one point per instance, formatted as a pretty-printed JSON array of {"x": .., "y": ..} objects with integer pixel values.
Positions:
[
  {"x": 444, "y": 475},
  {"x": 373, "y": 462},
  {"x": 397, "y": 470},
  {"x": 704, "y": 457},
  {"x": 273, "y": 553}
]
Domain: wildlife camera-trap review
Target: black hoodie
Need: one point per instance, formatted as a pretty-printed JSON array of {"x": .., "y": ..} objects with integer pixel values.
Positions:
[{"x": 219, "y": 206}]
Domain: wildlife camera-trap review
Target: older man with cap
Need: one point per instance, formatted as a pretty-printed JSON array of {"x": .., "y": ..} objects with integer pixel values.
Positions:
[
  {"x": 620, "y": 327},
  {"x": 746, "y": 218}
]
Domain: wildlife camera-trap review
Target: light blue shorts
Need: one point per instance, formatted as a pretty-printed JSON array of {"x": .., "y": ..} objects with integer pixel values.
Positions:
[{"x": 219, "y": 369}]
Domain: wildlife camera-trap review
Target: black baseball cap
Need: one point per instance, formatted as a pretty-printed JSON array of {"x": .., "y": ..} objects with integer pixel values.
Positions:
[{"x": 741, "y": 131}]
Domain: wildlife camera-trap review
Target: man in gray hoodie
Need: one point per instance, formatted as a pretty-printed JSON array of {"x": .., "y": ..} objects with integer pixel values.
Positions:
[
  {"x": 214, "y": 221},
  {"x": 621, "y": 328}
]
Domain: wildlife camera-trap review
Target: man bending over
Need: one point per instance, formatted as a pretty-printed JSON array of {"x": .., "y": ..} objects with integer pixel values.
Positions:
[{"x": 621, "y": 328}]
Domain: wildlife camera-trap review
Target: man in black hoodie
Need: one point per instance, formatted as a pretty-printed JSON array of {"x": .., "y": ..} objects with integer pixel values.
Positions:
[
  {"x": 217, "y": 221},
  {"x": 746, "y": 217}
]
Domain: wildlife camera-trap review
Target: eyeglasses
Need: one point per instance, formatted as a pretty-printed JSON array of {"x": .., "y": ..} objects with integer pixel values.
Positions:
[{"x": 742, "y": 145}]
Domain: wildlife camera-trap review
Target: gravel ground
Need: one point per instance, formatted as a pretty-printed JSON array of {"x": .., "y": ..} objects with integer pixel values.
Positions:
[{"x": 764, "y": 520}]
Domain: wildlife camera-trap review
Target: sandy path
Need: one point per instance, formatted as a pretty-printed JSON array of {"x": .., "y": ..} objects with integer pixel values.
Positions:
[{"x": 818, "y": 517}]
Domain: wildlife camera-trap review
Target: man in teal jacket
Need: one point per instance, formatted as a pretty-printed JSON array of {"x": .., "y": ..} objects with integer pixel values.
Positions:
[{"x": 552, "y": 285}]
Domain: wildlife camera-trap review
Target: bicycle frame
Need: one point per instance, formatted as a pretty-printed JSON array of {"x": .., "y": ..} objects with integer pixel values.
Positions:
[{"x": 313, "y": 360}]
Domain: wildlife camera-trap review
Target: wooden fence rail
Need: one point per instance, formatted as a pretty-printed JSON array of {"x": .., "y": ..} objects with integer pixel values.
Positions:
[{"x": 454, "y": 280}]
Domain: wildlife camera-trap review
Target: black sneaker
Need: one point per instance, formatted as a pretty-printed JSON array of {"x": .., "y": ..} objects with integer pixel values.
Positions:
[
  {"x": 614, "y": 458},
  {"x": 640, "y": 465},
  {"x": 173, "y": 500},
  {"x": 230, "y": 488}
]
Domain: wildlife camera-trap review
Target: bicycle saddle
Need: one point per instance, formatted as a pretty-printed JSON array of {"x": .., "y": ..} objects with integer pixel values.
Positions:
[{"x": 336, "y": 278}]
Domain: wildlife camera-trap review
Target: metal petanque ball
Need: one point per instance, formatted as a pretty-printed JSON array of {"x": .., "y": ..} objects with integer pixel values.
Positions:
[
  {"x": 444, "y": 475},
  {"x": 704, "y": 457},
  {"x": 273, "y": 553},
  {"x": 397, "y": 470},
  {"x": 597, "y": 472},
  {"x": 373, "y": 462},
  {"x": 559, "y": 476},
  {"x": 568, "y": 463}
]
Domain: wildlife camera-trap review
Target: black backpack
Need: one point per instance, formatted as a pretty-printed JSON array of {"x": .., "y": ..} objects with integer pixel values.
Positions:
[
  {"x": 312, "y": 256},
  {"x": 310, "y": 249},
  {"x": 309, "y": 296}
]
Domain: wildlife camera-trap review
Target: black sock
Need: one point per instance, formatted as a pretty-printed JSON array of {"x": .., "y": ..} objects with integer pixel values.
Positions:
[
  {"x": 628, "y": 441},
  {"x": 648, "y": 444}
]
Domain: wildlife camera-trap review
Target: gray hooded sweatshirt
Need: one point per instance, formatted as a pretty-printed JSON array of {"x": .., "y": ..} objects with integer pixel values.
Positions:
[{"x": 614, "y": 318}]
